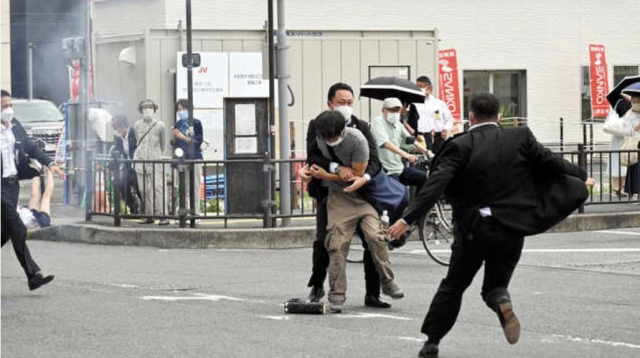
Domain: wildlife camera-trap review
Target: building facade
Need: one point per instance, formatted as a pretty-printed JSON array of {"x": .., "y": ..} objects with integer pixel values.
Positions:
[{"x": 533, "y": 55}]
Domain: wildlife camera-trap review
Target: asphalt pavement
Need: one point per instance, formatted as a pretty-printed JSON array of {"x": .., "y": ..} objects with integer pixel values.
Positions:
[{"x": 576, "y": 295}]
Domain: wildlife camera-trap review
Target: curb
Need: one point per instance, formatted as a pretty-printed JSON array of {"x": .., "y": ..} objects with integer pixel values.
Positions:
[{"x": 272, "y": 238}]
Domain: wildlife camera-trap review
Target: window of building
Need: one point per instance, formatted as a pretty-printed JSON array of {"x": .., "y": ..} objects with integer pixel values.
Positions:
[
  {"x": 619, "y": 73},
  {"x": 509, "y": 86}
]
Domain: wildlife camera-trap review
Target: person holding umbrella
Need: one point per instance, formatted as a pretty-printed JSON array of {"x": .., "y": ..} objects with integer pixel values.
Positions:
[{"x": 632, "y": 115}]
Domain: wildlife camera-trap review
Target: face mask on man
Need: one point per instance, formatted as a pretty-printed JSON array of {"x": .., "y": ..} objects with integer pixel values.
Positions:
[
  {"x": 635, "y": 107},
  {"x": 7, "y": 114},
  {"x": 147, "y": 112},
  {"x": 346, "y": 111},
  {"x": 337, "y": 141},
  {"x": 393, "y": 118},
  {"x": 183, "y": 114}
]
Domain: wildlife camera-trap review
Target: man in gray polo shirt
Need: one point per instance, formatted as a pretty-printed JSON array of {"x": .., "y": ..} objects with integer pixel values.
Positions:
[{"x": 346, "y": 208}]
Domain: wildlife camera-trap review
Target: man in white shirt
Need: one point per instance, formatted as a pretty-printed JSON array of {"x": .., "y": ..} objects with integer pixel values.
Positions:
[{"x": 434, "y": 121}]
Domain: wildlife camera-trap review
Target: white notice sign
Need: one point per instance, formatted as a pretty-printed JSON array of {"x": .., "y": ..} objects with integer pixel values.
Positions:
[
  {"x": 245, "y": 75},
  {"x": 246, "y": 145},
  {"x": 210, "y": 80},
  {"x": 246, "y": 119}
]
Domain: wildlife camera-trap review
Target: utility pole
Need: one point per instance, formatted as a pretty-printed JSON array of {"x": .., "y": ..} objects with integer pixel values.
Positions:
[
  {"x": 30, "y": 47},
  {"x": 193, "y": 61},
  {"x": 285, "y": 140}
]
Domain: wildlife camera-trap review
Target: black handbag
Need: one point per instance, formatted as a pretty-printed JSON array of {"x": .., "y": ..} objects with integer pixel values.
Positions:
[{"x": 386, "y": 193}]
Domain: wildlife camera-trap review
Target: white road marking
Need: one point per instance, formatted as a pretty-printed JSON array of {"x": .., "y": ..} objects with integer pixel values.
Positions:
[
  {"x": 123, "y": 285},
  {"x": 412, "y": 339},
  {"x": 619, "y": 232},
  {"x": 591, "y": 340},
  {"x": 198, "y": 296},
  {"x": 373, "y": 315},
  {"x": 595, "y": 250},
  {"x": 621, "y": 249},
  {"x": 276, "y": 318}
]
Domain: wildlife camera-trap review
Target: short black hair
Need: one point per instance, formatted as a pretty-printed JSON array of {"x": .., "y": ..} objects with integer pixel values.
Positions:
[
  {"x": 183, "y": 103},
  {"x": 337, "y": 87},
  {"x": 329, "y": 124},
  {"x": 5, "y": 93},
  {"x": 485, "y": 106},
  {"x": 120, "y": 121},
  {"x": 425, "y": 80}
]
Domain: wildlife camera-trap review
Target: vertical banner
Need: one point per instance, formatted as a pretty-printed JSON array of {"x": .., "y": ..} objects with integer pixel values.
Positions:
[
  {"x": 599, "y": 82},
  {"x": 74, "y": 81},
  {"x": 448, "y": 84}
]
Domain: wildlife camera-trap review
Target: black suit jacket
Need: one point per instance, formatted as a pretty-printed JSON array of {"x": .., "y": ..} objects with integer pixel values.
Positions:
[
  {"x": 25, "y": 149},
  {"x": 527, "y": 187},
  {"x": 314, "y": 155},
  {"x": 133, "y": 144}
]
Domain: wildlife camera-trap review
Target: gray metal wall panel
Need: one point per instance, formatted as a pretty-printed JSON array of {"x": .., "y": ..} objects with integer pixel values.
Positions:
[
  {"x": 252, "y": 45},
  {"x": 313, "y": 92},
  {"x": 232, "y": 45},
  {"x": 296, "y": 113},
  {"x": 211, "y": 45},
  {"x": 369, "y": 55},
  {"x": 407, "y": 55},
  {"x": 330, "y": 66},
  {"x": 350, "y": 66}
]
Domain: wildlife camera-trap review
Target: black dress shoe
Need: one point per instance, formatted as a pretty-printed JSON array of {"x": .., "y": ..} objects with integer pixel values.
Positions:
[
  {"x": 38, "y": 280},
  {"x": 315, "y": 294},
  {"x": 429, "y": 350},
  {"x": 146, "y": 221},
  {"x": 375, "y": 302}
]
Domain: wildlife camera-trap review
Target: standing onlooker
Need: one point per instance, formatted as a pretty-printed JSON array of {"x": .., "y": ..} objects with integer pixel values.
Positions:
[
  {"x": 488, "y": 175},
  {"x": 431, "y": 119},
  {"x": 181, "y": 138},
  {"x": 150, "y": 134},
  {"x": 126, "y": 143},
  {"x": 632, "y": 115},
  {"x": 17, "y": 149}
]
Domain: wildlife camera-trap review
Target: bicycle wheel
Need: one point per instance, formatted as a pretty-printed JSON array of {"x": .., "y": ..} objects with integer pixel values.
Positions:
[{"x": 436, "y": 238}]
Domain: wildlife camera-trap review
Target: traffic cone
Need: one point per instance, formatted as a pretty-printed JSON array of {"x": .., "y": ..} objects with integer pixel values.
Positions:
[{"x": 100, "y": 198}]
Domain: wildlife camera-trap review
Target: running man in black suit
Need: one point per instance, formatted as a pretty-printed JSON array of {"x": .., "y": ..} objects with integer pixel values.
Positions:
[{"x": 488, "y": 175}]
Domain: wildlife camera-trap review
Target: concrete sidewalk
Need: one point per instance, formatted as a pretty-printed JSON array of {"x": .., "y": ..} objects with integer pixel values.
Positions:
[{"x": 249, "y": 234}]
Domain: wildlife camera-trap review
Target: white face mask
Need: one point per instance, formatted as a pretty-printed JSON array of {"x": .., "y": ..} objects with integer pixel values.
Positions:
[
  {"x": 635, "y": 107},
  {"x": 346, "y": 111},
  {"x": 338, "y": 141},
  {"x": 147, "y": 112},
  {"x": 7, "y": 114},
  {"x": 393, "y": 118}
]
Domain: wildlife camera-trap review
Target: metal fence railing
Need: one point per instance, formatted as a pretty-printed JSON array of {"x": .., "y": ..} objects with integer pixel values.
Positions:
[{"x": 165, "y": 185}]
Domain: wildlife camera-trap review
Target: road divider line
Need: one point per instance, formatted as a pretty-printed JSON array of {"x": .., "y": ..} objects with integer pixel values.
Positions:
[
  {"x": 374, "y": 315},
  {"x": 592, "y": 340},
  {"x": 195, "y": 297}
]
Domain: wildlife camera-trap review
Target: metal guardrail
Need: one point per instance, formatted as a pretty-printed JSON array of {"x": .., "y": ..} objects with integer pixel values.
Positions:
[{"x": 104, "y": 199}]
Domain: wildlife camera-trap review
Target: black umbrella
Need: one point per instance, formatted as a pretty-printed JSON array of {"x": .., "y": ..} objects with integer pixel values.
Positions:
[
  {"x": 385, "y": 87},
  {"x": 616, "y": 94}
]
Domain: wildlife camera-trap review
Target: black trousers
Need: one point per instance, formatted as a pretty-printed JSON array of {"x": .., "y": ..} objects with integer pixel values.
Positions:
[
  {"x": 11, "y": 191},
  {"x": 13, "y": 229},
  {"x": 491, "y": 244},
  {"x": 433, "y": 144},
  {"x": 320, "y": 256},
  {"x": 129, "y": 192}
]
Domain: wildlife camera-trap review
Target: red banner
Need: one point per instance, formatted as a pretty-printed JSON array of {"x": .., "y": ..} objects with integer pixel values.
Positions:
[
  {"x": 599, "y": 82},
  {"x": 74, "y": 80},
  {"x": 448, "y": 84}
]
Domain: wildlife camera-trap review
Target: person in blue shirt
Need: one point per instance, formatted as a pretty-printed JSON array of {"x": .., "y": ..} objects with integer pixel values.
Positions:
[
  {"x": 182, "y": 138},
  {"x": 180, "y": 134}
]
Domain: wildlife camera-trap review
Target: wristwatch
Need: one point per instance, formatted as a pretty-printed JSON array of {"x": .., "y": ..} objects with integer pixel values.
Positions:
[{"x": 337, "y": 169}]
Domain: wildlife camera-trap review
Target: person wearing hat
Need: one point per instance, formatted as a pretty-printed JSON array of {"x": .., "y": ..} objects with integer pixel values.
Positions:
[
  {"x": 151, "y": 139},
  {"x": 394, "y": 143},
  {"x": 631, "y": 98}
]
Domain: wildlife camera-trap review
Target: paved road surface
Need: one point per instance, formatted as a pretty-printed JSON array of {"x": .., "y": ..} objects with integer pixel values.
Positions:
[{"x": 577, "y": 295}]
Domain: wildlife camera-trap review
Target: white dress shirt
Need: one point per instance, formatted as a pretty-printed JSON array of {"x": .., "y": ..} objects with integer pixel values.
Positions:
[
  {"x": 433, "y": 115},
  {"x": 8, "y": 151}
]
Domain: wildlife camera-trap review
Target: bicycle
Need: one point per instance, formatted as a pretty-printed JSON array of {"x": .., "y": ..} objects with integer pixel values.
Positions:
[{"x": 435, "y": 229}]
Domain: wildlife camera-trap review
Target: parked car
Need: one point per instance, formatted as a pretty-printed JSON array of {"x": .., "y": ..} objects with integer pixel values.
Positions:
[{"x": 42, "y": 120}]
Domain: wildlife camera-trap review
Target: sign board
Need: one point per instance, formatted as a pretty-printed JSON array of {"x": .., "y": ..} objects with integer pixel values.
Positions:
[{"x": 599, "y": 81}]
